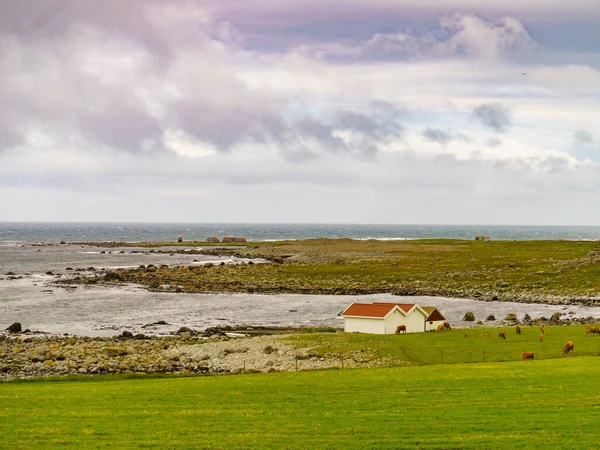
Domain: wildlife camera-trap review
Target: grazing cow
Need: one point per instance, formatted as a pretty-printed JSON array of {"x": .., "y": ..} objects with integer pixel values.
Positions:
[
  {"x": 527, "y": 355},
  {"x": 501, "y": 336},
  {"x": 541, "y": 337},
  {"x": 466, "y": 335},
  {"x": 440, "y": 327},
  {"x": 447, "y": 326},
  {"x": 486, "y": 334},
  {"x": 592, "y": 330},
  {"x": 569, "y": 347},
  {"x": 543, "y": 328},
  {"x": 518, "y": 329},
  {"x": 401, "y": 329}
]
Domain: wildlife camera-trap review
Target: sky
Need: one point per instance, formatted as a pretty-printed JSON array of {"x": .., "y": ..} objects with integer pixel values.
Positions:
[{"x": 328, "y": 111}]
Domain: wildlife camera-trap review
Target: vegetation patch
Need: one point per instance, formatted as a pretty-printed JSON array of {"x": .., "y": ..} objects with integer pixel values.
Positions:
[{"x": 523, "y": 271}]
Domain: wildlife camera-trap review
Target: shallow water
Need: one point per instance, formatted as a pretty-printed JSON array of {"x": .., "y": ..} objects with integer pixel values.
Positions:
[{"x": 105, "y": 311}]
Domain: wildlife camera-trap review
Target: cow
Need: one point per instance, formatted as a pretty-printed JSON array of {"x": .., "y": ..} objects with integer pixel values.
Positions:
[
  {"x": 486, "y": 334},
  {"x": 543, "y": 328},
  {"x": 466, "y": 335},
  {"x": 541, "y": 337},
  {"x": 518, "y": 329},
  {"x": 569, "y": 347},
  {"x": 447, "y": 326},
  {"x": 527, "y": 355},
  {"x": 401, "y": 329},
  {"x": 592, "y": 330},
  {"x": 440, "y": 328},
  {"x": 501, "y": 336}
]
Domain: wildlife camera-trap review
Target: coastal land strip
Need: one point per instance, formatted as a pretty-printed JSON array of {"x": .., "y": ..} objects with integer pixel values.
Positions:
[{"x": 553, "y": 272}]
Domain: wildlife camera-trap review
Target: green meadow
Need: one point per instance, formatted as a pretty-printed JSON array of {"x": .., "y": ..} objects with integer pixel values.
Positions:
[
  {"x": 463, "y": 345},
  {"x": 521, "y": 404}
]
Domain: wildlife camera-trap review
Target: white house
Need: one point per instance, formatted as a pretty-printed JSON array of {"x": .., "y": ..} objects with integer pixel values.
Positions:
[{"x": 384, "y": 318}]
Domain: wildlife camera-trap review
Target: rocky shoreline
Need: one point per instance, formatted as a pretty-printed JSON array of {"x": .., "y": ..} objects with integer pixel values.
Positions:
[{"x": 210, "y": 352}]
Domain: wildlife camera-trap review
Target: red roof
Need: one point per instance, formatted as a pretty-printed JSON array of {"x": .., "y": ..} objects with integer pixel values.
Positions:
[
  {"x": 368, "y": 310},
  {"x": 406, "y": 307}
]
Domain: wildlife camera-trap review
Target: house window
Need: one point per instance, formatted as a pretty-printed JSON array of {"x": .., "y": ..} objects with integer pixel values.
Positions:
[{"x": 430, "y": 323}]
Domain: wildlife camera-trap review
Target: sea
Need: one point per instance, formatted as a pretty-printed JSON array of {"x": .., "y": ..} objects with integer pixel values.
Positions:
[{"x": 12, "y": 233}]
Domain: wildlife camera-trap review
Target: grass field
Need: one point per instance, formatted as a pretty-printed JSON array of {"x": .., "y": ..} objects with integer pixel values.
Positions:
[
  {"x": 453, "y": 347},
  {"x": 520, "y": 270},
  {"x": 522, "y": 404}
]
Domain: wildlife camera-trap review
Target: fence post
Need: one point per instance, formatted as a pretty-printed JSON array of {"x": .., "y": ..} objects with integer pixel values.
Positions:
[
  {"x": 244, "y": 366},
  {"x": 296, "y": 363}
]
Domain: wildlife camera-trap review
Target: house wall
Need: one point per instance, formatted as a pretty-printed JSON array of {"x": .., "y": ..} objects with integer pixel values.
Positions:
[
  {"x": 371, "y": 326},
  {"x": 415, "y": 322},
  {"x": 432, "y": 326}
]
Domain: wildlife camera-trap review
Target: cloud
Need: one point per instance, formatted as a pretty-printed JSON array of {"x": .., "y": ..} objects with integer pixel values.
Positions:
[
  {"x": 495, "y": 116},
  {"x": 583, "y": 137},
  {"x": 436, "y": 135},
  {"x": 457, "y": 36}
]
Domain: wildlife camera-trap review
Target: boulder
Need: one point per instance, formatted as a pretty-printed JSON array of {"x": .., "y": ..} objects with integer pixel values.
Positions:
[
  {"x": 112, "y": 276},
  {"x": 469, "y": 316},
  {"x": 15, "y": 328},
  {"x": 527, "y": 318},
  {"x": 490, "y": 317},
  {"x": 556, "y": 316},
  {"x": 127, "y": 334},
  {"x": 40, "y": 354},
  {"x": 511, "y": 316}
]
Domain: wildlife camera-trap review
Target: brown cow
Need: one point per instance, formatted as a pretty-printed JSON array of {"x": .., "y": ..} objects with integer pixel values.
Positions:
[
  {"x": 486, "y": 334},
  {"x": 466, "y": 335},
  {"x": 543, "y": 328},
  {"x": 569, "y": 347},
  {"x": 401, "y": 329},
  {"x": 440, "y": 327},
  {"x": 541, "y": 337},
  {"x": 447, "y": 326},
  {"x": 518, "y": 329},
  {"x": 527, "y": 355},
  {"x": 592, "y": 330},
  {"x": 501, "y": 336}
]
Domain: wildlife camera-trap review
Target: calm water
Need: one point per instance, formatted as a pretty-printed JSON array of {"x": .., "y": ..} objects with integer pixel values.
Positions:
[{"x": 15, "y": 233}]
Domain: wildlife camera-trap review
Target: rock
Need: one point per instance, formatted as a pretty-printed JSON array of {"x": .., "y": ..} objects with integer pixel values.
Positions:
[
  {"x": 556, "y": 316},
  {"x": 40, "y": 354},
  {"x": 184, "y": 330},
  {"x": 469, "y": 317},
  {"x": 490, "y": 317},
  {"x": 49, "y": 273},
  {"x": 112, "y": 276},
  {"x": 511, "y": 316},
  {"x": 527, "y": 318},
  {"x": 127, "y": 334},
  {"x": 62, "y": 242},
  {"x": 115, "y": 351},
  {"x": 15, "y": 328},
  {"x": 268, "y": 350}
]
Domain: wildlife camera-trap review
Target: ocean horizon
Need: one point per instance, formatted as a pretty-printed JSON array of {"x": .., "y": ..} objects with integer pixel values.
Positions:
[{"x": 14, "y": 233}]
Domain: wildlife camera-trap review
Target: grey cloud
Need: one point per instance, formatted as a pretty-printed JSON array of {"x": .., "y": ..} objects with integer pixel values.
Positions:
[
  {"x": 494, "y": 116},
  {"x": 583, "y": 137},
  {"x": 436, "y": 135},
  {"x": 120, "y": 126},
  {"x": 494, "y": 142}
]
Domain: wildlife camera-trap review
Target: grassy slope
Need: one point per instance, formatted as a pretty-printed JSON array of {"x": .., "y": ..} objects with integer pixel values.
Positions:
[
  {"x": 453, "y": 346},
  {"x": 506, "y": 269},
  {"x": 534, "y": 404}
]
